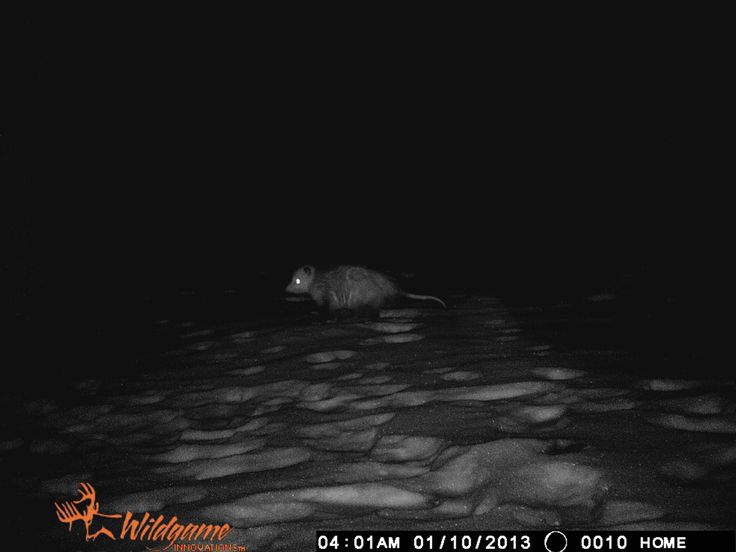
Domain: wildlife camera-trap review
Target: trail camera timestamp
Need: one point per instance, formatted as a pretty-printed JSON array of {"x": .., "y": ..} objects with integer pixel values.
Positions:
[
  {"x": 408, "y": 540},
  {"x": 358, "y": 542},
  {"x": 548, "y": 541}
]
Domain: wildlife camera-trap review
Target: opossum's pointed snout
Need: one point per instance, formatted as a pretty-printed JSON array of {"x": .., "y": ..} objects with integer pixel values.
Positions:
[{"x": 296, "y": 287}]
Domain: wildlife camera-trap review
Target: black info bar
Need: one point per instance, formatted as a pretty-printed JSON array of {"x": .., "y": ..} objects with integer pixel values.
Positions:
[{"x": 547, "y": 541}]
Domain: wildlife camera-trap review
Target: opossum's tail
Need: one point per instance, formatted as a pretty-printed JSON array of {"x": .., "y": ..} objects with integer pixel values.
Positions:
[{"x": 425, "y": 298}]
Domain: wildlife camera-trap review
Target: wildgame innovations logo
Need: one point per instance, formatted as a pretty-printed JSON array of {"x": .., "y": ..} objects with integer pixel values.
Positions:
[{"x": 155, "y": 532}]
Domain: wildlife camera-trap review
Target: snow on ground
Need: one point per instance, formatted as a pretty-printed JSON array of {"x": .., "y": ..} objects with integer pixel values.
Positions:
[{"x": 426, "y": 419}]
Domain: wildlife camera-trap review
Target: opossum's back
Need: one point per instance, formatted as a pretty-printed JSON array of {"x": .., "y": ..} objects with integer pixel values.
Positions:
[{"x": 354, "y": 287}]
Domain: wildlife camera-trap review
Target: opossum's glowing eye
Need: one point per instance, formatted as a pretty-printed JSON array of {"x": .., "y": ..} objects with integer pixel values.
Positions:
[{"x": 298, "y": 281}]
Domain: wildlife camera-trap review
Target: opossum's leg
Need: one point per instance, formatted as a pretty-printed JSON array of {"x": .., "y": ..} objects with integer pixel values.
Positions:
[
  {"x": 323, "y": 306},
  {"x": 324, "y": 312},
  {"x": 369, "y": 312},
  {"x": 343, "y": 314}
]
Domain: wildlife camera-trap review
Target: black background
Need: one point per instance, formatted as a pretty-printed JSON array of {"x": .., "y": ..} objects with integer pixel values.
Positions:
[{"x": 143, "y": 156}]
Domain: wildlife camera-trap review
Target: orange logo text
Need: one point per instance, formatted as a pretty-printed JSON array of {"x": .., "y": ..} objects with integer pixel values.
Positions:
[{"x": 148, "y": 528}]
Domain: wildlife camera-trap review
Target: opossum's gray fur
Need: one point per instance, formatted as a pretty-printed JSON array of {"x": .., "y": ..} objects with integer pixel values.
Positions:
[{"x": 349, "y": 288}]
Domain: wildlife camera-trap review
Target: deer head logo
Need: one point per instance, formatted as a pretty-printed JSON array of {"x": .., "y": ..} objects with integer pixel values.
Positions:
[{"x": 68, "y": 512}]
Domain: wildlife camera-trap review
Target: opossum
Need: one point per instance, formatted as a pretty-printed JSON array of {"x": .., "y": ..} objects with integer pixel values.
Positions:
[{"x": 349, "y": 289}]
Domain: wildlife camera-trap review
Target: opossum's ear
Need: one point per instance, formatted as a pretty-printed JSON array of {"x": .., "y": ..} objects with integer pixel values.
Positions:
[{"x": 308, "y": 269}]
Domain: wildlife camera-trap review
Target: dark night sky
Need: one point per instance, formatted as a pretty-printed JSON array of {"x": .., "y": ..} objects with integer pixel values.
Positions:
[{"x": 159, "y": 159}]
